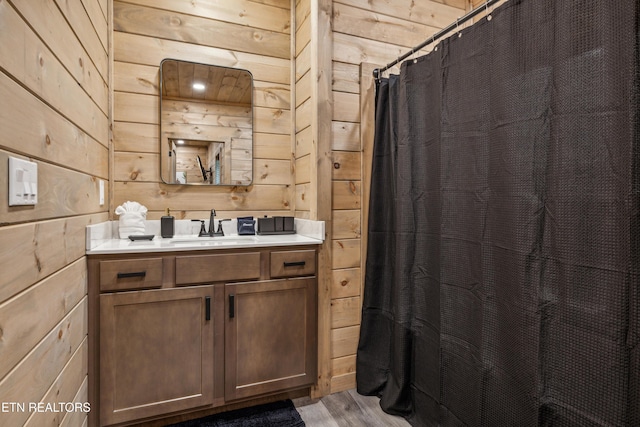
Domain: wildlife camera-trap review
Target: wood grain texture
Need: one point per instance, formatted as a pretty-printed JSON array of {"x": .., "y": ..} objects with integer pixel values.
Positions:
[
  {"x": 346, "y": 253},
  {"x": 386, "y": 28},
  {"x": 345, "y": 282},
  {"x": 346, "y": 77},
  {"x": 37, "y": 258},
  {"x": 346, "y": 195},
  {"x": 70, "y": 386},
  {"x": 176, "y": 26},
  {"x": 61, "y": 192},
  {"x": 271, "y": 146},
  {"x": 345, "y": 312},
  {"x": 30, "y": 126},
  {"x": 344, "y": 341},
  {"x": 35, "y": 374},
  {"x": 345, "y": 135},
  {"x": 346, "y": 224},
  {"x": 54, "y": 111},
  {"x": 156, "y": 196},
  {"x": 242, "y": 12},
  {"x": 52, "y": 298},
  {"x": 151, "y": 51},
  {"x": 405, "y": 13},
  {"x": 346, "y": 165},
  {"x": 88, "y": 70},
  {"x": 48, "y": 78}
]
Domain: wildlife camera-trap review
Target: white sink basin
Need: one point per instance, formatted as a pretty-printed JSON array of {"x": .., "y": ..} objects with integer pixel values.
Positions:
[{"x": 229, "y": 240}]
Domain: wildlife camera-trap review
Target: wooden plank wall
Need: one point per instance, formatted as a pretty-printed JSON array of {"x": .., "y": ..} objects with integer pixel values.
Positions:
[
  {"x": 371, "y": 31},
  {"x": 249, "y": 34},
  {"x": 54, "y": 87}
]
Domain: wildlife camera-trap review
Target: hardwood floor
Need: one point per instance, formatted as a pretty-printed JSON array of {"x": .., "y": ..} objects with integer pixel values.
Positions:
[{"x": 346, "y": 409}]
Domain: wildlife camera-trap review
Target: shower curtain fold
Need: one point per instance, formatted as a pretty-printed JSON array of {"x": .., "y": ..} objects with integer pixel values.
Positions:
[{"x": 501, "y": 282}]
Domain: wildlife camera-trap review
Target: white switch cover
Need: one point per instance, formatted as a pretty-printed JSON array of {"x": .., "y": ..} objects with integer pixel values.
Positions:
[
  {"x": 101, "y": 192},
  {"x": 23, "y": 182}
]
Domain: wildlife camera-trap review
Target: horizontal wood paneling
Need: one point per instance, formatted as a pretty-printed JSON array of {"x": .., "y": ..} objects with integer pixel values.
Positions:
[
  {"x": 401, "y": 13},
  {"x": 138, "y": 137},
  {"x": 151, "y": 51},
  {"x": 344, "y": 341},
  {"x": 140, "y": 167},
  {"x": 48, "y": 79},
  {"x": 346, "y": 77},
  {"x": 346, "y": 253},
  {"x": 303, "y": 170},
  {"x": 88, "y": 69},
  {"x": 32, "y": 128},
  {"x": 346, "y": 107},
  {"x": 156, "y": 196},
  {"x": 242, "y": 12},
  {"x": 271, "y": 146},
  {"x": 346, "y": 224},
  {"x": 70, "y": 386},
  {"x": 32, "y": 257},
  {"x": 51, "y": 298},
  {"x": 345, "y": 136},
  {"x": 381, "y": 27},
  {"x": 346, "y": 195},
  {"x": 345, "y": 312},
  {"x": 266, "y": 171},
  {"x": 54, "y": 111},
  {"x": 166, "y": 23},
  {"x": 37, "y": 372},
  {"x": 347, "y": 165},
  {"x": 345, "y": 283}
]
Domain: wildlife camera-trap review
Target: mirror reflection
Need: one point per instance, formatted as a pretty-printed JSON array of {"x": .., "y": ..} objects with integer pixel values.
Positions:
[{"x": 206, "y": 124}]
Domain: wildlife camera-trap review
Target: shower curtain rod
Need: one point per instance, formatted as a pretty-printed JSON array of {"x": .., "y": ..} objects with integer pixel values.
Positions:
[{"x": 377, "y": 72}]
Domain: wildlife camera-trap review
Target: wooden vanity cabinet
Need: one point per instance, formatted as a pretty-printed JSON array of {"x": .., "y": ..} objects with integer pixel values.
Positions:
[
  {"x": 164, "y": 338},
  {"x": 156, "y": 352},
  {"x": 270, "y": 332}
]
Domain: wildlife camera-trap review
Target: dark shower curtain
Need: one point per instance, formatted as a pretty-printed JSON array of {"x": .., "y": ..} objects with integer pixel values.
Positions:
[{"x": 502, "y": 279}]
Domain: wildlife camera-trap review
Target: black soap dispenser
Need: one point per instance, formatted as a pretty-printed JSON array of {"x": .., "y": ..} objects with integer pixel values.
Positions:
[{"x": 167, "y": 225}]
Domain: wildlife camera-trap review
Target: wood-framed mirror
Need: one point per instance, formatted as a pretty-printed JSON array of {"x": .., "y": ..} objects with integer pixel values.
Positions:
[{"x": 206, "y": 124}]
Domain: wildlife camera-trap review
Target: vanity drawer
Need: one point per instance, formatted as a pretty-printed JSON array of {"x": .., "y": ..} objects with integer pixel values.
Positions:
[
  {"x": 120, "y": 275},
  {"x": 293, "y": 263},
  {"x": 217, "y": 268}
]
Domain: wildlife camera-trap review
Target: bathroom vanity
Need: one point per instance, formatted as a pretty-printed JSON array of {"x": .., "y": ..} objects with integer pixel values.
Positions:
[{"x": 183, "y": 324}]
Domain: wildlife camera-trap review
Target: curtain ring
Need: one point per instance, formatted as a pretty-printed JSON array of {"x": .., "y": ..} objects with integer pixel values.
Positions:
[
  {"x": 458, "y": 27},
  {"x": 486, "y": 8}
]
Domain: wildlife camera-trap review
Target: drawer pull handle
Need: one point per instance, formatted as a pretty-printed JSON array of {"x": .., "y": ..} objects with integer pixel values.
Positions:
[
  {"x": 295, "y": 264},
  {"x": 134, "y": 274},
  {"x": 232, "y": 306},
  {"x": 207, "y": 308}
]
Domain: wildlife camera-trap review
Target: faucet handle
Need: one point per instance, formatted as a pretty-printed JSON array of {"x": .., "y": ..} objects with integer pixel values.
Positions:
[
  {"x": 203, "y": 230},
  {"x": 220, "y": 230}
]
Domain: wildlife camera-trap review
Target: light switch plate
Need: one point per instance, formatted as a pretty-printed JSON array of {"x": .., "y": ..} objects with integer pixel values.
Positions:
[{"x": 23, "y": 182}]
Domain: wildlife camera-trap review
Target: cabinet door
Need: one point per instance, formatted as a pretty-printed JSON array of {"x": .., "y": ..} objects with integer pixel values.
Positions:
[
  {"x": 156, "y": 352},
  {"x": 270, "y": 336}
]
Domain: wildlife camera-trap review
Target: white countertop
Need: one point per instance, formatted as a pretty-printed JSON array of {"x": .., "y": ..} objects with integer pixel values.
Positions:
[{"x": 102, "y": 239}]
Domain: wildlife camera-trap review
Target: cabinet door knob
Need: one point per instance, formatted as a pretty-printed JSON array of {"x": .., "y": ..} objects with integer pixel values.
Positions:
[
  {"x": 207, "y": 308},
  {"x": 134, "y": 274},
  {"x": 232, "y": 306}
]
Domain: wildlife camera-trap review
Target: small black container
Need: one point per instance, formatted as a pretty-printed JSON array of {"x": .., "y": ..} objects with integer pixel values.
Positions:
[
  {"x": 276, "y": 225},
  {"x": 167, "y": 225}
]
